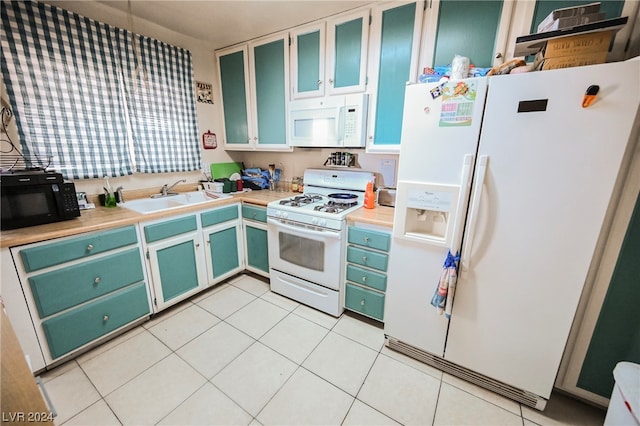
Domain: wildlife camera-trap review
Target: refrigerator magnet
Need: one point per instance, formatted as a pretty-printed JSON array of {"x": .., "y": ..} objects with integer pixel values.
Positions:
[{"x": 590, "y": 95}]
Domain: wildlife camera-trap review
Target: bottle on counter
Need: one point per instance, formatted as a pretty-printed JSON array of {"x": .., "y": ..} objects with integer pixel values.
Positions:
[{"x": 369, "y": 197}]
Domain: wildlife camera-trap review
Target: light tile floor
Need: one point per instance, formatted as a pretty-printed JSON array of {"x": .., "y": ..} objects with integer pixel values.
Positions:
[{"x": 240, "y": 354}]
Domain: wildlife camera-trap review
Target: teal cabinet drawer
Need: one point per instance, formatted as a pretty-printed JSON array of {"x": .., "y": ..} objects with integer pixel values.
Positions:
[
  {"x": 63, "y": 288},
  {"x": 254, "y": 213},
  {"x": 214, "y": 217},
  {"x": 365, "y": 301},
  {"x": 77, "y": 327},
  {"x": 368, "y": 258},
  {"x": 368, "y": 238},
  {"x": 43, "y": 256},
  {"x": 367, "y": 277},
  {"x": 170, "y": 228}
]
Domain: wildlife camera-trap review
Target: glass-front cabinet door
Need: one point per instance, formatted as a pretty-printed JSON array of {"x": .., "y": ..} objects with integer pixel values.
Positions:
[
  {"x": 307, "y": 58},
  {"x": 233, "y": 66},
  {"x": 527, "y": 15},
  {"x": 347, "y": 41},
  {"x": 395, "y": 37},
  {"x": 268, "y": 60},
  {"x": 474, "y": 29},
  {"x": 330, "y": 57}
]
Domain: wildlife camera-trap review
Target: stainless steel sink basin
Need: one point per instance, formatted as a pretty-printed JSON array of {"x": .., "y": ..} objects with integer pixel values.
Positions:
[{"x": 152, "y": 205}]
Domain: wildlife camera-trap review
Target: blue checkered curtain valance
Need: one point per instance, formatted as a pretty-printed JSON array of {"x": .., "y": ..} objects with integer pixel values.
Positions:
[
  {"x": 159, "y": 89},
  {"x": 65, "y": 90}
]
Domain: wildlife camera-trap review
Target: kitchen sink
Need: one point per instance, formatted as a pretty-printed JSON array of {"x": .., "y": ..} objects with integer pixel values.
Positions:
[{"x": 170, "y": 202}]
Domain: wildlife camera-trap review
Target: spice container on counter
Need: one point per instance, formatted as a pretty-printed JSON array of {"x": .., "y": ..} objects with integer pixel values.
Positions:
[{"x": 294, "y": 184}]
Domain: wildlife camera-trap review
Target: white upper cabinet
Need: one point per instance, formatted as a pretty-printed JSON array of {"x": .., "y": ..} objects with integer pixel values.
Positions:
[
  {"x": 254, "y": 81},
  {"x": 330, "y": 57}
]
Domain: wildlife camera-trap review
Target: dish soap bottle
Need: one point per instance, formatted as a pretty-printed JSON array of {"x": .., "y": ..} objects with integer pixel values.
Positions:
[{"x": 369, "y": 197}]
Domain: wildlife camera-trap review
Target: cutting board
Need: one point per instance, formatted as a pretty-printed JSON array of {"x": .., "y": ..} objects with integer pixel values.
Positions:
[{"x": 224, "y": 170}]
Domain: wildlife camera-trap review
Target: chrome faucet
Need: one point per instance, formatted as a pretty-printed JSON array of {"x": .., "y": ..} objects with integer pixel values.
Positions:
[{"x": 166, "y": 190}]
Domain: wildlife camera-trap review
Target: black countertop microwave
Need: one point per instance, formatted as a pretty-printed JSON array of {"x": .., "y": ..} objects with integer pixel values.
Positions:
[{"x": 35, "y": 197}]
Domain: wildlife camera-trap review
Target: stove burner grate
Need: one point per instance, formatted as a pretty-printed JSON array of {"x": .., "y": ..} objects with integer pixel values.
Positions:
[
  {"x": 333, "y": 207},
  {"x": 300, "y": 200}
]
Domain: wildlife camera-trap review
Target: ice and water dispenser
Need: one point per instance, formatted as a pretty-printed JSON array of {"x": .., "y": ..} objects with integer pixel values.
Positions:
[{"x": 426, "y": 212}]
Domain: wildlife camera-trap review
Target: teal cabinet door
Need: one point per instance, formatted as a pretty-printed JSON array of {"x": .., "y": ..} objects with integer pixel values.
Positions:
[
  {"x": 269, "y": 64},
  {"x": 454, "y": 37},
  {"x": 611, "y": 9},
  {"x": 177, "y": 265},
  {"x": 257, "y": 248},
  {"x": 347, "y": 45},
  {"x": 397, "y": 50},
  {"x": 232, "y": 68},
  {"x": 223, "y": 246},
  {"x": 308, "y": 58}
]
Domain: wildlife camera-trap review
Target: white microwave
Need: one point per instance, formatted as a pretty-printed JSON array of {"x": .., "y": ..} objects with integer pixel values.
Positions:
[{"x": 333, "y": 121}]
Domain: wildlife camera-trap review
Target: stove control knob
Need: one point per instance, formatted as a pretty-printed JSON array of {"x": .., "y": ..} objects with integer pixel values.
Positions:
[
  {"x": 322, "y": 222},
  {"x": 314, "y": 221},
  {"x": 285, "y": 215},
  {"x": 278, "y": 213}
]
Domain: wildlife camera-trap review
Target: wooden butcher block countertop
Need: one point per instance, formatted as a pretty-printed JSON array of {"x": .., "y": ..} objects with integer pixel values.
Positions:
[{"x": 104, "y": 218}]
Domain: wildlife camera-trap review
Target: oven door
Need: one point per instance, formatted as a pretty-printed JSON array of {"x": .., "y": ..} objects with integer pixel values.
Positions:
[{"x": 311, "y": 253}]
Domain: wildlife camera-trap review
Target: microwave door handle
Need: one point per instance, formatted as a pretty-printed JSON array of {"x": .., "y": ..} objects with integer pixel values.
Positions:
[{"x": 340, "y": 124}]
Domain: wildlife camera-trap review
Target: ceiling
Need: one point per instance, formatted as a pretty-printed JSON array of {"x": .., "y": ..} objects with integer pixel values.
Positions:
[{"x": 220, "y": 23}]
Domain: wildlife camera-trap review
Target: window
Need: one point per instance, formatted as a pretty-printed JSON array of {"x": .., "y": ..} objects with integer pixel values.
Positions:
[{"x": 94, "y": 99}]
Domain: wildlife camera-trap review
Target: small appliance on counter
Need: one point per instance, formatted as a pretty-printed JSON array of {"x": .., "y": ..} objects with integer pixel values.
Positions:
[
  {"x": 36, "y": 197},
  {"x": 387, "y": 197}
]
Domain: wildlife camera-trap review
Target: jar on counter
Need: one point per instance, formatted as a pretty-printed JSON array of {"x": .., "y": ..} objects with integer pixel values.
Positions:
[
  {"x": 294, "y": 184},
  {"x": 300, "y": 186}
]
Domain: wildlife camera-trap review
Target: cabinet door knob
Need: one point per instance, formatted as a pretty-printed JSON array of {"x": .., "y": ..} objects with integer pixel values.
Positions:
[
  {"x": 97, "y": 280},
  {"x": 364, "y": 258},
  {"x": 330, "y": 81},
  {"x": 90, "y": 247},
  {"x": 364, "y": 279},
  {"x": 105, "y": 318},
  {"x": 362, "y": 302},
  {"x": 319, "y": 82},
  {"x": 197, "y": 245}
]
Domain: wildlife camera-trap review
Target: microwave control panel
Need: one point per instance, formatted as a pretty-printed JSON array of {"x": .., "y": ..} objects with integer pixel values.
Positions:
[{"x": 355, "y": 113}]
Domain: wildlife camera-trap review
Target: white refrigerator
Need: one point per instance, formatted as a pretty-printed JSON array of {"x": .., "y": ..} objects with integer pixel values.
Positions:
[{"x": 519, "y": 174}]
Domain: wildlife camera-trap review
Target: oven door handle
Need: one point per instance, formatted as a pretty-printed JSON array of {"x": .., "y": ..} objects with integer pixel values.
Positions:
[{"x": 304, "y": 231}]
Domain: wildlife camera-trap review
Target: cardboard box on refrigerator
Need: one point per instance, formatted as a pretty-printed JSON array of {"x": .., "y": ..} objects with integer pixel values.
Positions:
[
  {"x": 574, "y": 60},
  {"x": 582, "y": 44}
]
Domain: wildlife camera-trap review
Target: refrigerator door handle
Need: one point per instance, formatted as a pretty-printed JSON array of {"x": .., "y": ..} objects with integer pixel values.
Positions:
[
  {"x": 463, "y": 196},
  {"x": 473, "y": 212}
]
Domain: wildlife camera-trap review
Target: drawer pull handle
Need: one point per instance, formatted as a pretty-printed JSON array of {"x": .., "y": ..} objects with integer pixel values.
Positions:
[
  {"x": 97, "y": 280},
  {"x": 105, "y": 318},
  {"x": 90, "y": 247},
  {"x": 254, "y": 215},
  {"x": 362, "y": 302},
  {"x": 364, "y": 258},
  {"x": 364, "y": 279},
  {"x": 366, "y": 239}
]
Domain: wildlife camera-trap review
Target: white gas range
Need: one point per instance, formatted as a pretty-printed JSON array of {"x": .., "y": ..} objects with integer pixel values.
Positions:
[{"x": 307, "y": 234}]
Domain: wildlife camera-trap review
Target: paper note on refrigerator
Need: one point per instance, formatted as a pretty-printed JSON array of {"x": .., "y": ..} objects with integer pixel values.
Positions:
[{"x": 458, "y": 99}]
